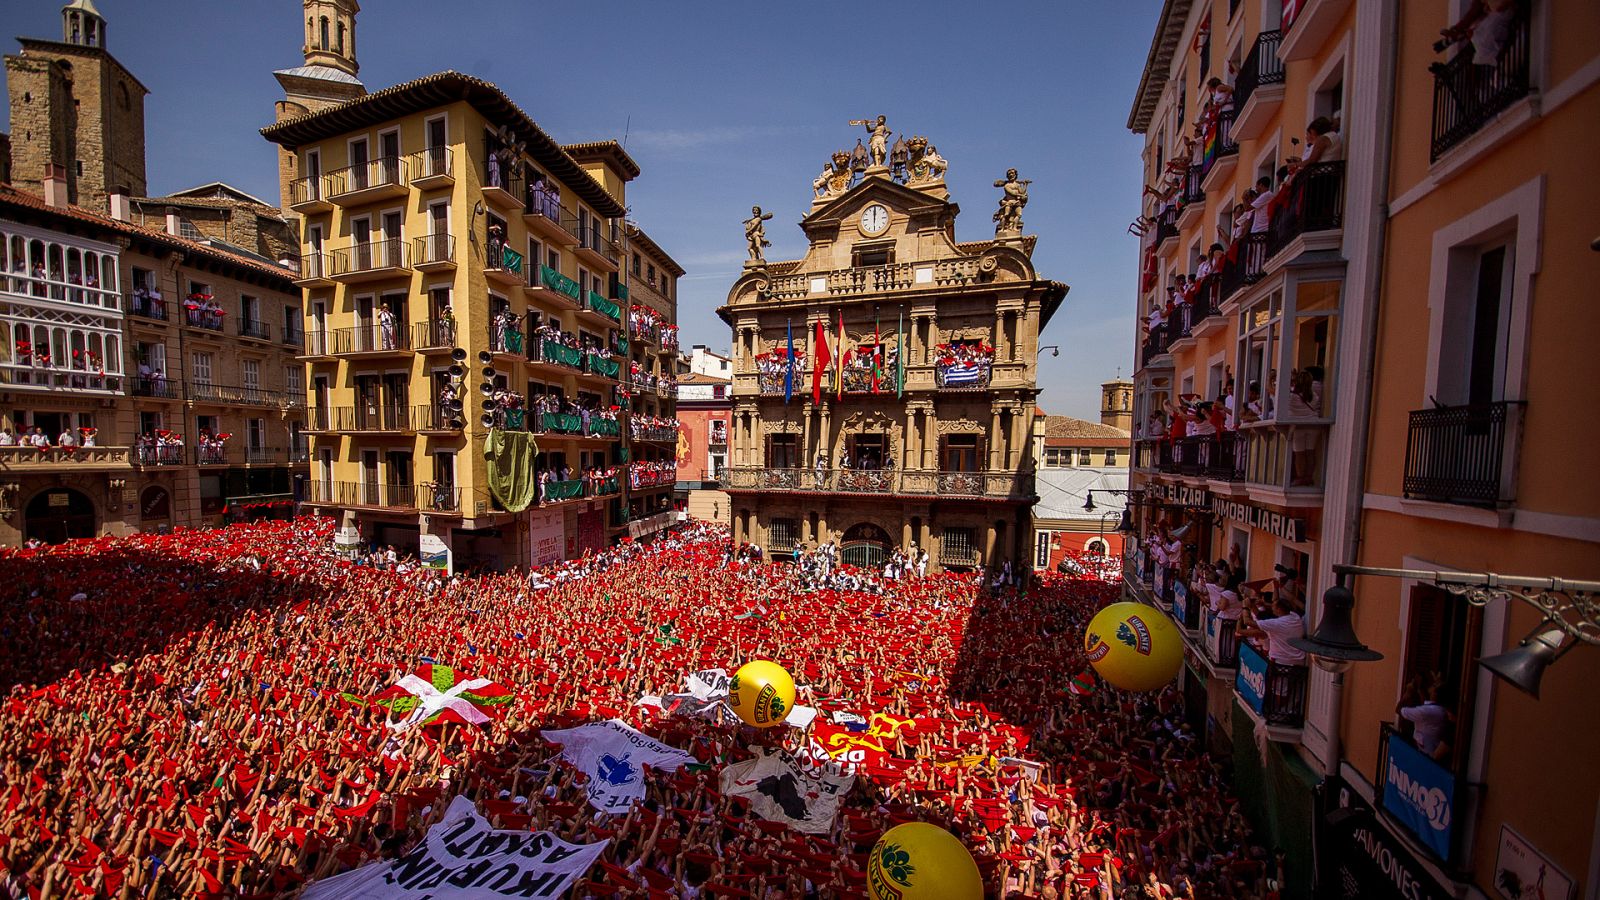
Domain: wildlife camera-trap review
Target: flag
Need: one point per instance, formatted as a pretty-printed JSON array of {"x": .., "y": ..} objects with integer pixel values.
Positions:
[
  {"x": 820, "y": 363},
  {"x": 1291, "y": 11},
  {"x": 788, "y": 371},
  {"x": 614, "y": 755},
  {"x": 436, "y": 694},
  {"x": 779, "y": 789},
  {"x": 1082, "y": 683},
  {"x": 838, "y": 364},
  {"x": 877, "y": 352},
  {"x": 900, "y": 356}
]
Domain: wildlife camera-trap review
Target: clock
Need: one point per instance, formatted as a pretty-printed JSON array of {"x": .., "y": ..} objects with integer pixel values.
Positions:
[{"x": 874, "y": 220}]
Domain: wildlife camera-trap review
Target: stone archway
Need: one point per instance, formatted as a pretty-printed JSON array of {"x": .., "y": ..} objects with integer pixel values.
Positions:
[
  {"x": 866, "y": 545},
  {"x": 59, "y": 514}
]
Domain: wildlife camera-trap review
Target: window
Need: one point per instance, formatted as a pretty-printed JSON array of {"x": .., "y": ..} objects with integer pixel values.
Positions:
[
  {"x": 256, "y": 434},
  {"x": 636, "y": 265},
  {"x": 294, "y": 382},
  {"x": 872, "y": 256},
  {"x": 650, "y": 274},
  {"x": 783, "y": 451},
  {"x": 1474, "y": 346},
  {"x": 960, "y": 453},
  {"x": 1084, "y": 458},
  {"x": 200, "y": 368},
  {"x": 1111, "y": 457},
  {"x": 1259, "y": 333},
  {"x": 250, "y": 374},
  {"x": 781, "y": 535},
  {"x": 1442, "y": 643},
  {"x": 1057, "y": 457},
  {"x": 958, "y": 546}
]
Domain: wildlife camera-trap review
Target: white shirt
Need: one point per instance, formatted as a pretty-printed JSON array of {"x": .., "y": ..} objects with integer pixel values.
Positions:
[
  {"x": 7, "y": 439},
  {"x": 1262, "y": 219},
  {"x": 1279, "y": 631},
  {"x": 1429, "y": 722}
]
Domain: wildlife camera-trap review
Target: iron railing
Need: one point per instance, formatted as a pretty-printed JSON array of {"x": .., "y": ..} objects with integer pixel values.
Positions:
[
  {"x": 1262, "y": 66},
  {"x": 1166, "y": 225},
  {"x": 433, "y": 334},
  {"x": 1283, "y": 691},
  {"x": 385, "y": 171},
  {"x": 315, "y": 265},
  {"x": 1315, "y": 203},
  {"x": 432, "y": 162},
  {"x": 209, "y": 320},
  {"x": 254, "y": 328},
  {"x": 1219, "y": 143},
  {"x": 1466, "y": 96},
  {"x": 986, "y": 485},
  {"x": 145, "y": 306},
  {"x": 364, "y": 493},
  {"x": 434, "y": 248},
  {"x": 1459, "y": 454},
  {"x": 239, "y": 395},
  {"x": 158, "y": 388},
  {"x": 389, "y": 253}
]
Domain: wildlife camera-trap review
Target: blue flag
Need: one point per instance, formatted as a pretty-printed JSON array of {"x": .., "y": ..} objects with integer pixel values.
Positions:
[{"x": 788, "y": 371}]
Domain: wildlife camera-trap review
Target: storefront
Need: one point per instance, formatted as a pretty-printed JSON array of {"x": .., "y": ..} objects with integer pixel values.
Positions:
[{"x": 1358, "y": 858}]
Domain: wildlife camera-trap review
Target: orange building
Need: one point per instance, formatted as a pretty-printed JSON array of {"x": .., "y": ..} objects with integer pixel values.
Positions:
[{"x": 1364, "y": 363}]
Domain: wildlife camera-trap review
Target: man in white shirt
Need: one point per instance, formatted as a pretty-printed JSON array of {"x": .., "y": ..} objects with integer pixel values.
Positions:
[
  {"x": 67, "y": 439},
  {"x": 1429, "y": 724},
  {"x": 1262, "y": 219},
  {"x": 7, "y": 439},
  {"x": 1285, "y": 624},
  {"x": 38, "y": 438}
]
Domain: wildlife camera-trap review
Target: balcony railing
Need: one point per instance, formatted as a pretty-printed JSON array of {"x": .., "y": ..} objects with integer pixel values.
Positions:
[
  {"x": 370, "y": 338},
  {"x": 1275, "y": 691},
  {"x": 595, "y": 242},
  {"x": 437, "y": 497},
  {"x": 1193, "y": 193},
  {"x": 1166, "y": 225},
  {"x": 315, "y": 266},
  {"x": 265, "y": 455},
  {"x": 373, "y": 256},
  {"x": 1244, "y": 265},
  {"x": 556, "y": 353},
  {"x": 560, "y": 283},
  {"x": 434, "y": 417},
  {"x": 307, "y": 190},
  {"x": 433, "y": 335},
  {"x": 1462, "y": 454},
  {"x": 321, "y": 343},
  {"x": 1467, "y": 96},
  {"x": 20, "y": 457},
  {"x": 1261, "y": 67},
  {"x": 375, "y": 417},
  {"x": 363, "y": 493},
  {"x": 505, "y": 337},
  {"x": 598, "y": 364},
  {"x": 941, "y": 273},
  {"x": 158, "y": 388},
  {"x": 145, "y": 306},
  {"x": 1219, "y": 143},
  {"x": 1315, "y": 203},
  {"x": 239, "y": 395},
  {"x": 660, "y": 435},
  {"x": 293, "y": 334},
  {"x": 984, "y": 485},
  {"x": 214, "y": 454},
  {"x": 434, "y": 249},
  {"x": 320, "y": 418},
  {"x": 605, "y": 307},
  {"x": 62, "y": 288},
  {"x": 210, "y": 320},
  {"x": 970, "y": 376},
  {"x": 1222, "y": 641},
  {"x": 384, "y": 172},
  {"x": 433, "y": 162},
  {"x": 254, "y": 328},
  {"x": 556, "y": 491},
  {"x": 160, "y": 455}
]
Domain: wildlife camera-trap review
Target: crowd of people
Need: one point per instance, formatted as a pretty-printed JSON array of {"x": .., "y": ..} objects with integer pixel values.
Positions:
[
  {"x": 646, "y": 427},
  {"x": 69, "y": 440},
  {"x": 1195, "y": 416},
  {"x": 648, "y": 473},
  {"x": 204, "y": 311},
  {"x": 187, "y": 721},
  {"x": 640, "y": 379}
]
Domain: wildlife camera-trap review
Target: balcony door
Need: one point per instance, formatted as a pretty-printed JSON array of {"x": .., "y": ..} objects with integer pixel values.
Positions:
[
  {"x": 437, "y": 143},
  {"x": 361, "y": 243},
  {"x": 358, "y": 165},
  {"x": 369, "y": 478},
  {"x": 867, "y": 451},
  {"x": 389, "y": 156},
  {"x": 393, "y": 233},
  {"x": 367, "y": 402},
  {"x": 961, "y": 453},
  {"x": 399, "y": 475},
  {"x": 366, "y": 315}
]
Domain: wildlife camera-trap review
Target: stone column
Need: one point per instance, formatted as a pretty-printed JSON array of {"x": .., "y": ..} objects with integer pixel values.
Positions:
[
  {"x": 825, "y": 439},
  {"x": 994, "y": 439},
  {"x": 989, "y": 545},
  {"x": 1018, "y": 437},
  {"x": 905, "y": 535},
  {"x": 1002, "y": 349}
]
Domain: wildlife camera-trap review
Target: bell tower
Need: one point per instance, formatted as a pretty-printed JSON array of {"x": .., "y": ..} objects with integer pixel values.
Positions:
[
  {"x": 331, "y": 34},
  {"x": 1116, "y": 403},
  {"x": 82, "y": 24}
]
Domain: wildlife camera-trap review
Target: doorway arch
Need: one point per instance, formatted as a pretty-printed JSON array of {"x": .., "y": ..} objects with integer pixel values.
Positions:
[
  {"x": 59, "y": 514},
  {"x": 865, "y": 545}
]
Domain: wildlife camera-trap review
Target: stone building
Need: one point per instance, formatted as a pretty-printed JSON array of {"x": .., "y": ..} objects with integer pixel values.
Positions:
[
  {"x": 73, "y": 105},
  {"x": 467, "y": 285},
  {"x": 905, "y": 414},
  {"x": 223, "y": 214}
]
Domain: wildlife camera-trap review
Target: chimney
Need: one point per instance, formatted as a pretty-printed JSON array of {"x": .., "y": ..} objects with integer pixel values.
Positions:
[
  {"x": 120, "y": 210},
  {"x": 172, "y": 221},
  {"x": 55, "y": 186}
]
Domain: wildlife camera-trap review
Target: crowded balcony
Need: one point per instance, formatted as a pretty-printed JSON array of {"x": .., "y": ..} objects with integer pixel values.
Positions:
[
  {"x": 549, "y": 350},
  {"x": 214, "y": 452},
  {"x": 437, "y": 418},
  {"x": 544, "y": 215},
  {"x": 504, "y": 334},
  {"x": 1275, "y": 692},
  {"x": 309, "y": 195},
  {"x": 942, "y": 273},
  {"x": 1313, "y": 201},
  {"x": 371, "y": 261},
  {"x": 1185, "y": 608},
  {"x": 554, "y": 287},
  {"x": 368, "y": 494},
  {"x": 1217, "y": 456},
  {"x": 52, "y": 272},
  {"x": 432, "y": 168},
  {"x": 1467, "y": 95},
  {"x": 315, "y": 270},
  {"x": 253, "y": 328},
  {"x": 161, "y": 450},
  {"x": 977, "y": 485},
  {"x": 145, "y": 304},
  {"x": 41, "y": 373},
  {"x": 434, "y": 253},
  {"x": 434, "y": 335},
  {"x": 22, "y": 458},
  {"x": 368, "y": 182},
  {"x": 651, "y": 428},
  {"x": 203, "y": 312},
  {"x": 232, "y": 395},
  {"x": 647, "y": 474},
  {"x": 962, "y": 366},
  {"x": 1463, "y": 455},
  {"x": 1258, "y": 89},
  {"x": 601, "y": 365},
  {"x": 596, "y": 250},
  {"x": 1221, "y": 640}
]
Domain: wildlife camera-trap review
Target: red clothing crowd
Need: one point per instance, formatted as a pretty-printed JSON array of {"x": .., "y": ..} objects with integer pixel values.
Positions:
[{"x": 179, "y": 722}]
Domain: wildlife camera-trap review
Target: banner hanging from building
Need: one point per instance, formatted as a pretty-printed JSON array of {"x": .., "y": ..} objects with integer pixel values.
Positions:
[
  {"x": 463, "y": 858},
  {"x": 1420, "y": 794}
]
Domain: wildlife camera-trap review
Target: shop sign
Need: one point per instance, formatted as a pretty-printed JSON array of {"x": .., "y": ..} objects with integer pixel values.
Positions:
[
  {"x": 1366, "y": 861},
  {"x": 1277, "y": 524},
  {"x": 434, "y": 552},
  {"x": 1420, "y": 794},
  {"x": 1251, "y": 680},
  {"x": 1521, "y": 872},
  {"x": 156, "y": 504},
  {"x": 1181, "y": 494}
]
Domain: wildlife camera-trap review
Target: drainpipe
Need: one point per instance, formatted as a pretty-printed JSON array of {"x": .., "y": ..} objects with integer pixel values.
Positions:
[{"x": 1349, "y": 543}]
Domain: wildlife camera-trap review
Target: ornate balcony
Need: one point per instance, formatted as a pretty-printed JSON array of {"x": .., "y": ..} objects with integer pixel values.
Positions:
[
  {"x": 943, "y": 273},
  {"x": 1463, "y": 454},
  {"x": 992, "y": 486},
  {"x": 22, "y": 459},
  {"x": 1259, "y": 90}
]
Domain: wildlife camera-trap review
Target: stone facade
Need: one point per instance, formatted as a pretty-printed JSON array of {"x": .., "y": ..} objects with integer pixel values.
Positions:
[{"x": 944, "y": 460}]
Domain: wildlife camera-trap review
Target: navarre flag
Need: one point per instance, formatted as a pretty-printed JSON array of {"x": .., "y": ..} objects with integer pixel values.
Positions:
[{"x": 435, "y": 694}]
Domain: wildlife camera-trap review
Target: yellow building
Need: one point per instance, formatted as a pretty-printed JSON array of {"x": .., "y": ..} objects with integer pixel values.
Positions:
[
  {"x": 905, "y": 418},
  {"x": 465, "y": 305},
  {"x": 1373, "y": 347}
]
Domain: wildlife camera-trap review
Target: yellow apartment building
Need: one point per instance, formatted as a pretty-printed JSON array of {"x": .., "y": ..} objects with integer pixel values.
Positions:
[
  {"x": 1356, "y": 370},
  {"x": 653, "y": 433},
  {"x": 465, "y": 317}
]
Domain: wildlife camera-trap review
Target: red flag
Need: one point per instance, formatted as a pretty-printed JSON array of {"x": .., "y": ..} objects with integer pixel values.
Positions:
[
  {"x": 839, "y": 361},
  {"x": 820, "y": 363}
]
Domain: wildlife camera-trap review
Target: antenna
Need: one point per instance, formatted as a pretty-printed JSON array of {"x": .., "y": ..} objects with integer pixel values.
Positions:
[{"x": 627, "y": 124}]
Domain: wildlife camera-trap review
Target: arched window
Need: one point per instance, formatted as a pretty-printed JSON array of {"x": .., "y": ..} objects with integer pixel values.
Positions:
[
  {"x": 112, "y": 360},
  {"x": 339, "y": 47},
  {"x": 324, "y": 26}
]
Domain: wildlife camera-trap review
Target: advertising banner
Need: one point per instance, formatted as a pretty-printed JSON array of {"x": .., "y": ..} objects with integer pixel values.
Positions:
[
  {"x": 434, "y": 552},
  {"x": 1420, "y": 794},
  {"x": 546, "y": 532},
  {"x": 1251, "y": 680}
]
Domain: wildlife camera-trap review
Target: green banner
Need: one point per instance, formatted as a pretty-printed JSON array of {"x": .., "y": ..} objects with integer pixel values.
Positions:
[
  {"x": 605, "y": 307},
  {"x": 599, "y": 365},
  {"x": 556, "y": 281},
  {"x": 511, "y": 259},
  {"x": 605, "y": 427},
  {"x": 557, "y": 352},
  {"x": 562, "y": 423},
  {"x": 511, "y": 477},
  {"x": 563, "y": 490}
]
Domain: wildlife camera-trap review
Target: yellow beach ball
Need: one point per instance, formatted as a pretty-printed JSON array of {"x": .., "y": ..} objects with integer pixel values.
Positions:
[
  {"x": 1133, "y": 646},
  {"x": 761, "y": 693},
  {"x": 918, "y": 861}
]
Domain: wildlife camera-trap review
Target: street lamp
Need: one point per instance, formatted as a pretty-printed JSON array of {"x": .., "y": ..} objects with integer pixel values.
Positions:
[
  {"x": 1334, "y": 645},
  {"x": 1054, "y": 350}
]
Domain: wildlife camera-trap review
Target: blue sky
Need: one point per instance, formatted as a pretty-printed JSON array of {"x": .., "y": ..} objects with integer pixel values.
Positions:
[{"x": 724, "y": 105}]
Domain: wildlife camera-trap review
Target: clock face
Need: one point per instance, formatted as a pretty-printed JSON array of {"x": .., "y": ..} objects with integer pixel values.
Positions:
[{"x": 874, "y": 219}]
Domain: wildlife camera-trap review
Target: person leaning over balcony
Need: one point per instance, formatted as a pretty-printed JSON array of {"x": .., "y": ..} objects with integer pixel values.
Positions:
[
  {"x": 1430, "y": 721},
  {"x": 1221, "y": 96},
  {"x": 68, "y": 439},
  {"x": 1487, "y": 25},
  {"x": 1284, "y": 624},
  {"x": 1261, "y": 217},
  {"x": 1323, "y": 145},
  {"x": 38, "y": 439}
]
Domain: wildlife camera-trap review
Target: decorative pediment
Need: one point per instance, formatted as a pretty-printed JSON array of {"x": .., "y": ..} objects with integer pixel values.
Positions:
[
  {"x": 959, "y": 426},
  {"x": 866, "y": 421}
]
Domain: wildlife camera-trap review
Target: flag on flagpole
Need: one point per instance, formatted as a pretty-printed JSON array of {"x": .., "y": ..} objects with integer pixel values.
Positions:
[
  {"x": 838, "y": 365},
  {"x": 788, "y": 372},
  {"x": 900, "y": 356},
  {"x": 820, "y": 363}
]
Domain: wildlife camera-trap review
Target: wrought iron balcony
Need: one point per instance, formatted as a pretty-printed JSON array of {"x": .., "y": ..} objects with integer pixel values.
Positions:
[
  {"x": 374, "y": 179},
  {"x": 976, "y": 485},
  {"x": 1463, "y": 454},
  {"x": 435, "y": 334},
  {"x": 439, "y": 497},
  {"x": 432, "y": 167},
  {"x": 1316, "y": 203},
  {"x": 254, "y": 328},
  {"x": 371, "y": 260},
  {"x": 1467, "y": 97},
  {"x": 1276, "y": 692},
  {"x": 1260, "y": 79},
  {"x": 1221, "y": 640},
  {"x": 199, "y": 317},
  {"x": 434, "y": 252},
  {"x": 376, "y": 495},
  {"x": 145, "y": 306},
  {"x": 158, "y": 388},
  {"x": 239, "y": 395}
]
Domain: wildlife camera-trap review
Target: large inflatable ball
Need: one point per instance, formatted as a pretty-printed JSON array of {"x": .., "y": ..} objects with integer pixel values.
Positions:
[
  {"x": 761, "y": 693},
  {"x": 918, "y": 861},
  {"x": 1133, "y": 646}
]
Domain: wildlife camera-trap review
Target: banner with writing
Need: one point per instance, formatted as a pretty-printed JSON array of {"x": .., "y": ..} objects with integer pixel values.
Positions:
[
  {"x": 780, "y": 789},
  {"x": 463, "y": 858},
  {"x": 614, "y": 755}
]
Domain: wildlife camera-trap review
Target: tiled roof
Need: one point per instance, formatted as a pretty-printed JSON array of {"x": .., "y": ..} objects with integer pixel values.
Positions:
[
  {"x": 698, "y": 378},
  {"x": 1069, "y": 427},
  {"x": 608, "y": 151},
  {"x": 436, "y": 90},
  {"x": 11, "y": 197}
]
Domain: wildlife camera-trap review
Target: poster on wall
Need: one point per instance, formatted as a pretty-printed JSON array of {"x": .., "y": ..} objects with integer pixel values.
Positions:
[
  {"x": 155, "y": 505},
  {"x": 546, "y": 534},
  {"x": 434, "y": 552},
  {"x": 1521, "y": 872}
]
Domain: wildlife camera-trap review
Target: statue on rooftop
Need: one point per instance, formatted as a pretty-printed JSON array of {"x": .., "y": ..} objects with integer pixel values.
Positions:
[
  {"x": 755, "y": 236},
  {"x": 1014, "y": 196},
  {"x": 878, "y": 140}
]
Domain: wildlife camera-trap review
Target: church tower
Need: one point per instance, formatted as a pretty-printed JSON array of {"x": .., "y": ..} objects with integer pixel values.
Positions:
[
  {"x": 328, "y": 77},
  {"x": 1116, "y": 403},
  {"x": 75, "y": 108}
]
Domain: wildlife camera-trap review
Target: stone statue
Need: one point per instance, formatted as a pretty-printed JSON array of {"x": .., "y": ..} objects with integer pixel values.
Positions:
[
  {"x": 819, "y": 185},
  {"x": 755, "y": 236},
  {"x": 839, "y": 174},
  {"x": 926, "y": 164},
  {"x": 936, "y": 164},
  {"x": 878, "y": 140},
  {"x": 1008, "y": 218}
]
